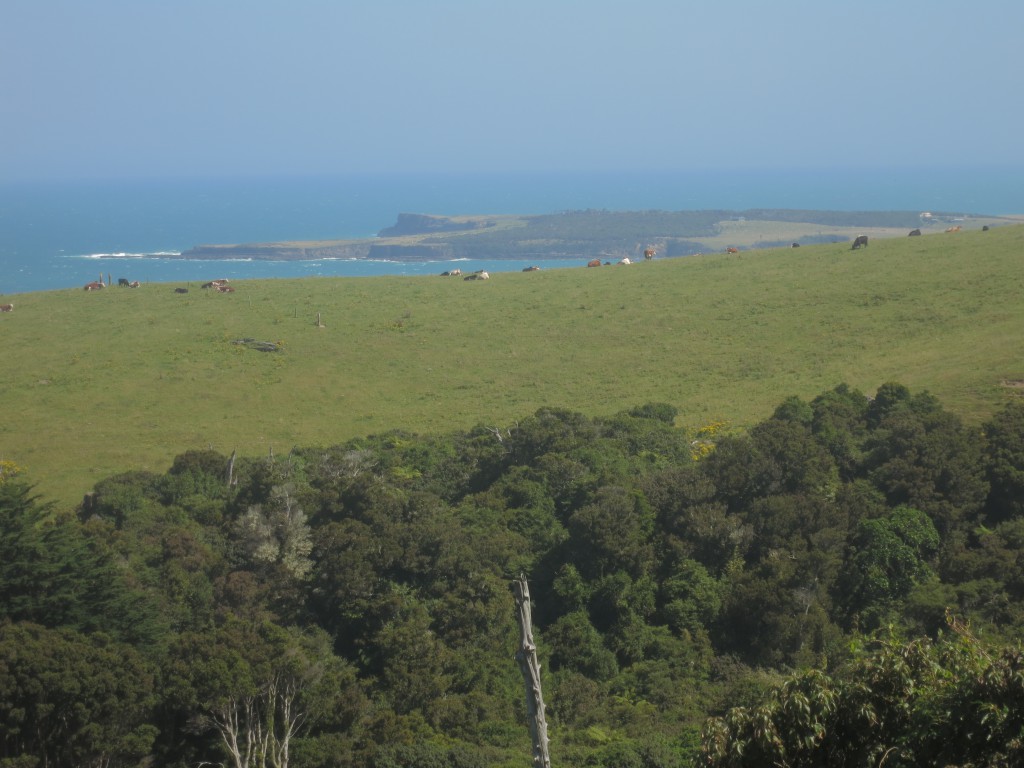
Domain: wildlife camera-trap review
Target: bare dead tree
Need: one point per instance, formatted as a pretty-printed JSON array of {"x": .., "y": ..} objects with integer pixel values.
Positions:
[
  {"x": 528, "y": 665},
  {"x": 231, "y": 469},
  {"x": 496, "y": 431}
]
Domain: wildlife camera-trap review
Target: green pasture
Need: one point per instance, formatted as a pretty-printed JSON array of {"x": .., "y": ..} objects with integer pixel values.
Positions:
[{"x": 97, "y": 383}]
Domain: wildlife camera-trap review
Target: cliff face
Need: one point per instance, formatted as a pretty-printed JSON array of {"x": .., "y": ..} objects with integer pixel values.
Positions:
[
  {"x": 396, "y": 252},
  {"x": 281, "y": 251},
  {"x": 294, "y": 252}
]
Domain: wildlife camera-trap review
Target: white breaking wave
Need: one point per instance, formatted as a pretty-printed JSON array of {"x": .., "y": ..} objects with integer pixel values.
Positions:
[{"x": 156, "y": 255}]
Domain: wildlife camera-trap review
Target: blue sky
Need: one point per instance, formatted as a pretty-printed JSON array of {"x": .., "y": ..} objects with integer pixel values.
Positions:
[{"x": 137, "y": 88}]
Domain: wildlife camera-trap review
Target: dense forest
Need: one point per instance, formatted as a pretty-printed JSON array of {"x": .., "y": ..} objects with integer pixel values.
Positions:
[{"x": 842, "y": 584}]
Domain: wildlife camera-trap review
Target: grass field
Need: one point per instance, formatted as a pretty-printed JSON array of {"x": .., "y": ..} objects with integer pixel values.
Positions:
[{"x": 97, "y": 383}]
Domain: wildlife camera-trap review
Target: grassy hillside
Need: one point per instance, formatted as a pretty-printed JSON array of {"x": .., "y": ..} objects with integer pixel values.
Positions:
[{"x": 97, "y": 383}]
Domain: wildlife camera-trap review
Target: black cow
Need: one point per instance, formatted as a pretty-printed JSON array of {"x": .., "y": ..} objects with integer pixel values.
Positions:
[
  {"x": 861, "y": 240},
  {"x": 122, "y": 282},
  {"x": 181, "y": 290},
  {"x": 914, "y": 233}
]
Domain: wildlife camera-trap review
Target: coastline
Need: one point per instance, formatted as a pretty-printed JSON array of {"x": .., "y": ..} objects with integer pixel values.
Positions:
[{"x": 551, "y": 237}]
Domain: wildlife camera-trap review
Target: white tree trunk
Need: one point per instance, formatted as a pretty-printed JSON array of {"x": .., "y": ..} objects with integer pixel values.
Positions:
[{"x": 529, "y": 666}]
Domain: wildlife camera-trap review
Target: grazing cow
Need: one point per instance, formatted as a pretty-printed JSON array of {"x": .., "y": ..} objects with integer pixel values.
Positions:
[
  {"x": 594, "y": 263},
  {"x": 181, "y": 290},
  {"x": 122, "y": 282},
  {"x": 859, "y": 241},
  {"x": 732, "y": 250},
  {"x": 530, "y": 269},
  {"x": 957, "y": 228},
  {"x": 94, "y": 286},
  {"x": 649, "y": 253},
  {"x": 6, "y": 307},
  {"x": 914, "y": 233}
]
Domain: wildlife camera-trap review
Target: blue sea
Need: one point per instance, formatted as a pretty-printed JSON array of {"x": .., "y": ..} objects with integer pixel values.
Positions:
[{"x": 58, "y": 235}]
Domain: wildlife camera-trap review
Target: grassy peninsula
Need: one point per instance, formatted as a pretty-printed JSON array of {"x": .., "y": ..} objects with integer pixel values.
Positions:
[
  {"x": 608, "y": 234},
  {"x": 102, "y": 382}
]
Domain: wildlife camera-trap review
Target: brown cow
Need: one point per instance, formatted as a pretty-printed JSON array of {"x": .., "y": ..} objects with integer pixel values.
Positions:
[
  {"x": 225, "y": 289},
  {"x": 94, "y": 286},
  {"x": 859, "y": 241},
  {"x": 732, "y": 250},
  {"x": 957, "y": 228},
  {"x": 594, "y": 263},
  {"x": 6, "y": 307},
  {"x": 649, "y": 253}
]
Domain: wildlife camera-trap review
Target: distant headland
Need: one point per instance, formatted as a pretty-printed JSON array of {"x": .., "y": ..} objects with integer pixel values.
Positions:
[{"x": 587, "y": 234}]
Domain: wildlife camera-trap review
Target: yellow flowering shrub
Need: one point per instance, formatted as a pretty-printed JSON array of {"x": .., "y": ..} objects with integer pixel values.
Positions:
[
  {"x": 703, "y": 441},
  {"x": 8, "y": 469}
]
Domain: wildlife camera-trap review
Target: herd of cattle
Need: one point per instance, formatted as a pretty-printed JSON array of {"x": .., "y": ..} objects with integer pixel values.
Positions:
[
  {"x": 222, "y": 285},
  {"x": 861, "y": 241},
  {"x": 478, "y": 275}
]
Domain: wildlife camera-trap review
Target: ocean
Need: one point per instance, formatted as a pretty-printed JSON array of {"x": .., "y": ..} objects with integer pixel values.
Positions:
[{"x": 59, "y": 235}]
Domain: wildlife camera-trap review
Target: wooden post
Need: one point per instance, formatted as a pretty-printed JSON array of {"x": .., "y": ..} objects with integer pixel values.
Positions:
[{"x": 528, "y": 665}]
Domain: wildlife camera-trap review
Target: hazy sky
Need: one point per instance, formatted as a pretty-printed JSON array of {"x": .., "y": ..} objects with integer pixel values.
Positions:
[{"x": 114, "y": 88}]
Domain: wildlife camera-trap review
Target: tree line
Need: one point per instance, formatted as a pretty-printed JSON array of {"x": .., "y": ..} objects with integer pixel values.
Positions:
[{"x": 841, "y": 584}]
